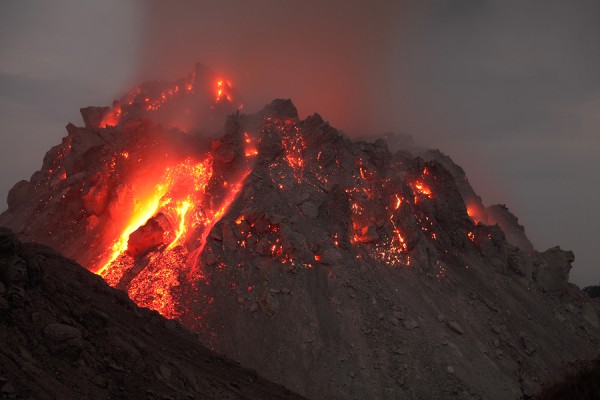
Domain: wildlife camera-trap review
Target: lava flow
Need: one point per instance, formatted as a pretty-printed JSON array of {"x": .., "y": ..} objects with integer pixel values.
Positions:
[
  {"x": 175, "y": 217},
  {"x": 164, "y": 223},
  {"x": 202, "y": 94},
  {"x": 152, "y": 195}
]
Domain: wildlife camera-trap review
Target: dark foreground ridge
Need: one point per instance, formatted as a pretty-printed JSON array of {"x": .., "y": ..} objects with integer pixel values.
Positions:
[
  {"x": 581, "y": 381},
  {"x": 66, "y": 334}
]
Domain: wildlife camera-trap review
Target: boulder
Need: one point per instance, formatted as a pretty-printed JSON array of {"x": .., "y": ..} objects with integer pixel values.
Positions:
[
  {"x": 93, "y": 116},
  {"x": 145, "y": 238},
  {"x": 551, "y": 269},
  {"x": 64, "y": 339}
]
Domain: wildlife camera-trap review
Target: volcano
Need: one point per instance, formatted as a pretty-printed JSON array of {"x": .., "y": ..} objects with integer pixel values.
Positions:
[{"x": 338, "y": 268}]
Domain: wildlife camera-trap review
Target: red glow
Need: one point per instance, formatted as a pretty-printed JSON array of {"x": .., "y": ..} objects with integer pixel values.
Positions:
[
  {"x": 186, "y": 198},
  {"x": 294, "y": 146},
  {"x": 112, "y": 117},
  {"x": 176, "y": 195},
  {"x": 398, "y": 202},
  {"x": 168, "y": 195},
  {"x": 473, "y": 212},
  {"x": 422, "y": 189},
  {"x": 223, "y": 90},
  {"x": 153, "y": 97},
  {"x": 471, "y": 236}
]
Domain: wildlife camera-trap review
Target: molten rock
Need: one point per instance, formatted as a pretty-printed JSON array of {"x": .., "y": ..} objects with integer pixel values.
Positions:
[{"x": 146, "y": 237}]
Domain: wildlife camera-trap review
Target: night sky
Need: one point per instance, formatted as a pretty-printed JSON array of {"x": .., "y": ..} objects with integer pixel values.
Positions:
[{"x": 509, "y": 89}]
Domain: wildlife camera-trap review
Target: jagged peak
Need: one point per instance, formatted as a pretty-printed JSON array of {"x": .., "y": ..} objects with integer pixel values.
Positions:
[{"x": 280, "y": 108}]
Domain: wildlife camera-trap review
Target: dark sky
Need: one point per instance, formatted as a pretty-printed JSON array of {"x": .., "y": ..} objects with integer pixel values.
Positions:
[{"x": 509, "y": 89}]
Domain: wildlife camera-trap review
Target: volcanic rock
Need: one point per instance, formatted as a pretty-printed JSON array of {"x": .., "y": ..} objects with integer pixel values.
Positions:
[
  {"x": 146, "y": 237},
  {"x": 93, "y": 116},
  {"x": 85, "y": 341},
  {"x": 515, "y": 232},
  {"x": 331, "y": 256},
  {"x": 410, "y": 324},
  {"x": 455, "y": 327},
  {"x": 64, "y": 339},
  {"x": 551, "y": 269},
  {"x": 354, "y": 231}
]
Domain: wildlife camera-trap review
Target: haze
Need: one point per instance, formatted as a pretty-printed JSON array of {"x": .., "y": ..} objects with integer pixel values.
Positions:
[{"x": 508, "y": 89}]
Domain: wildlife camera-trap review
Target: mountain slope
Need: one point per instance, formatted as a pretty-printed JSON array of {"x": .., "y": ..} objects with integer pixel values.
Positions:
[
  {"x": 332, "y": 266},
  {"x": 66, "y": 334}
]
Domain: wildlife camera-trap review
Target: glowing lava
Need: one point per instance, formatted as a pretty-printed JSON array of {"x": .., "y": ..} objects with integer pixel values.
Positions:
[
  {"x": 153, "y": 96},
  {"x": 422, "y": 189},
  {"x": 223, "y": 90},
  {"x": 182, "y": 210},
  {"x": 160, "y": 247},
  {"x": 178, "y": 196}
]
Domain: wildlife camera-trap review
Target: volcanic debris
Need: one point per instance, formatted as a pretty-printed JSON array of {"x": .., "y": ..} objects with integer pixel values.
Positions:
[
  {"x": 335, "y": 267},
  {"x": 66, "y": 334}
]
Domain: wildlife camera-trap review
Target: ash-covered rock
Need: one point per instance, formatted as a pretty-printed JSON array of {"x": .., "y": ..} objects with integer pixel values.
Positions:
[
  {"x": 72, "y": 337},
  {"x": 93, "y": 116},
  {"x": 515, "y": 232}
]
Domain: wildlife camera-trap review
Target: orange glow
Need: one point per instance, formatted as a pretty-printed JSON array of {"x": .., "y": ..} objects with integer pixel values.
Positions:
[
  {"x": 473, "y": 213},
  {"x": 362, "y": 172},
  {"x": 422, "y": 189},
  {"x": 471, "y": 236},
  {"x": 179, "y": 195},
  {"x": 111, "y": 118},
  {"x": 251, "y": 152},
  {"x": 182, "y": 209},
  {"x": 209, "y": 221},
  {"x": 144, "y": 209},
  {"x": 294, "y": 147},
  {"x": 223, "y": 90},
  {"x": 152, "y": 100},
  {"x": 401, "y": 243},
  {"x": 163, "y": 238},
  {"x": 398, "y": 202},
  {"x": 176, "y": 195}
]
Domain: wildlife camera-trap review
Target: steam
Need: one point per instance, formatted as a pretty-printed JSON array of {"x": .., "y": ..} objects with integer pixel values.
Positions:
[{"x": 273, "y": 49}]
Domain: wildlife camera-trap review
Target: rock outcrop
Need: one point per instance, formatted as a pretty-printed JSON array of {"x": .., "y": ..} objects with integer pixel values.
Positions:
[{"x": 515, "y": 232}]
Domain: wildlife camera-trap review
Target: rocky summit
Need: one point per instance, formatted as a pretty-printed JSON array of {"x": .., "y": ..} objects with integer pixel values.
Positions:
[{"x": 340, "y": 269}]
